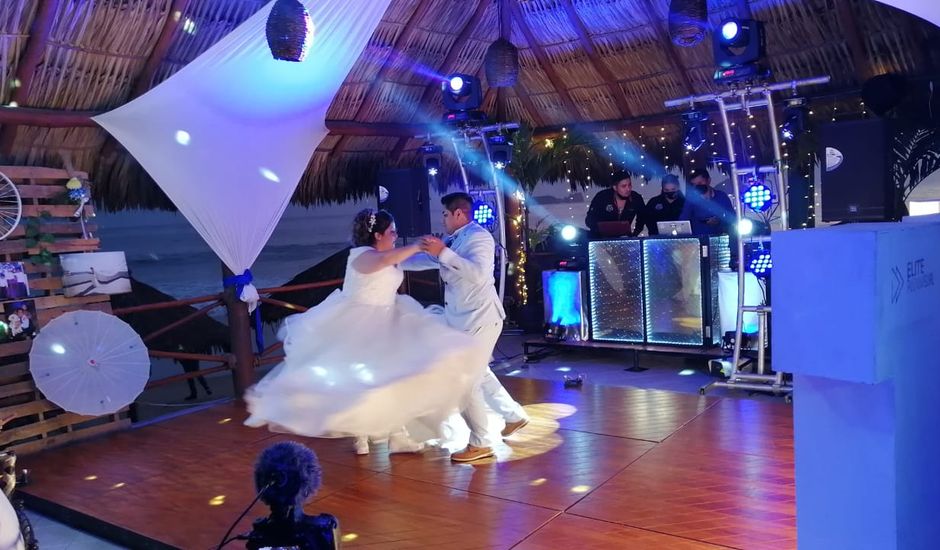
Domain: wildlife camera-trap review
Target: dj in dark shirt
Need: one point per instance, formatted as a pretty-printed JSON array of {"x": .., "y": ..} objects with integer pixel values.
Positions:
[
  {"x": 710, "y": 211},
  {"x": 665, "y": 207},
  {"x": 618, "y": 203}
]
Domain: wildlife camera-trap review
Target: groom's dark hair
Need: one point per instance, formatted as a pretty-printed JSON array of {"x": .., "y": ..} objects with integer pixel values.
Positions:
[{"x": 458, "y": 201}]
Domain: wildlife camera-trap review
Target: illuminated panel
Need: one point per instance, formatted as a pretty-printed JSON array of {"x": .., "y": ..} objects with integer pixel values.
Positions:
[
  {"x": 616, "y": 283},
  {"x": 673, "y": 282}
]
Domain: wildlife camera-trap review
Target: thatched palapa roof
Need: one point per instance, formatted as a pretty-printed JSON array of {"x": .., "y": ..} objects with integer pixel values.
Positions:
[{"x": 608, "y": 62}]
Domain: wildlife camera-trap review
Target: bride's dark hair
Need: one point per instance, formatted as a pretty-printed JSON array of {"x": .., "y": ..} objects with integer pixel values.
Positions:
[{"x": 367, "y": 223}]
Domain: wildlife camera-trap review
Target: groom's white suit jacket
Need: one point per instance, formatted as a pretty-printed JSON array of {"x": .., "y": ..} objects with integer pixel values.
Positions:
[{"x": 467, "y": 265}]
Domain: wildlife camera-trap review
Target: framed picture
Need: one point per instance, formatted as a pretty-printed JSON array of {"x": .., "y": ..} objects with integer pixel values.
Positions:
[
  {"x": 13, "y": 281},
  {"x": 19, "y": 321},
  {"x": 95, "y": 273}
]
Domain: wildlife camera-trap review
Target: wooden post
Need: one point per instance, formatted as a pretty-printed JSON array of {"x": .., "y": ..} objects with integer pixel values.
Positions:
[{"x": 239, "y": 326}]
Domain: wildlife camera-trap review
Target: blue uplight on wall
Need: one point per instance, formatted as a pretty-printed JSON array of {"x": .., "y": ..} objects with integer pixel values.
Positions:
[
  {"x": 760, "y": 263},
  {"x": 758, "y": 197},
  {"x": 483, "y": 213}
]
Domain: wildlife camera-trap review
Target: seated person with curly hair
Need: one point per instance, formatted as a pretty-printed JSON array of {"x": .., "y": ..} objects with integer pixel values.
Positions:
[
  {"x": 12, "y": 521},
  {"x": 287, "y": 475}
]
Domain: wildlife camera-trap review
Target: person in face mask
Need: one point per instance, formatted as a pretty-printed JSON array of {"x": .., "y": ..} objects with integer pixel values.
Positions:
[
  {"x": 709, "y": 211},
  {"x": 665, "y": 207}
]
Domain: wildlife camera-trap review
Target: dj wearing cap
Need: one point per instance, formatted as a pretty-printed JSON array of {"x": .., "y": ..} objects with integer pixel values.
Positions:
[{"x": 616, "y": 211}]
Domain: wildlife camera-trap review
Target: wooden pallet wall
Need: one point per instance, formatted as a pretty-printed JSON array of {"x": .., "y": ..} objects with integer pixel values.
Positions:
[{"x": 38, "y": 423}]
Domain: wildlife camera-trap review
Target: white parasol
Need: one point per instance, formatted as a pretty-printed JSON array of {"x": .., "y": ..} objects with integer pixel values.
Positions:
[{"x": 89, "y": 363}]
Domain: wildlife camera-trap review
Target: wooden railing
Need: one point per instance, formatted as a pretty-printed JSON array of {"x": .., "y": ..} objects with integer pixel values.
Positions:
[{"x": 227, "y": 361}]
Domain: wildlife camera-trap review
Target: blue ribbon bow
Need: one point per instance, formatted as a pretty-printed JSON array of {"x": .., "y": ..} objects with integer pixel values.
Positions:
[{"x": 240, "y": 282}]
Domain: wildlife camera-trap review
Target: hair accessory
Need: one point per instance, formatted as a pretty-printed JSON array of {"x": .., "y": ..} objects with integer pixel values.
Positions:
[{"x": 371, "y": 221}]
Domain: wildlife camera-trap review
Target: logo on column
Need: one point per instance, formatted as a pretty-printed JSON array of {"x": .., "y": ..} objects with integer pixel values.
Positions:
[
  {"x": 897, "y": 285},
  {"x": 918, "y": 277}
]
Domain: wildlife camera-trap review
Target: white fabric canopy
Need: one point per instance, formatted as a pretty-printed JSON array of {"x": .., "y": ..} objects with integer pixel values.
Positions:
[
  {"x": 928, "y": 10},
  {"x": 229, "y": 136}
]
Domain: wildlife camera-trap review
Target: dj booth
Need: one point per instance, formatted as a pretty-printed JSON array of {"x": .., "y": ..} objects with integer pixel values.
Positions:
[{"x": 646, "y": 294}]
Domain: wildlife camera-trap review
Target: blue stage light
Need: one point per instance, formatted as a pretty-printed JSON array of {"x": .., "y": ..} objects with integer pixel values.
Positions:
[
  {"x": 569, "y": 232},
  {"x": 761, "y": 263},
  {"x": 758, "y": 197},
  {"x": 695, "y": 133},
  {"x": 433, "y": 154},
  {"x": 461, "y": 94},
  {"x": 794, "y": 120},
  {"x": 483, "y": 213},
  {"x": 730, "y": 30}
]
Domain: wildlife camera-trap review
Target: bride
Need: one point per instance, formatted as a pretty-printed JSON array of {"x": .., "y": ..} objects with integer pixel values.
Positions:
[{"x": 368, "y": 361}]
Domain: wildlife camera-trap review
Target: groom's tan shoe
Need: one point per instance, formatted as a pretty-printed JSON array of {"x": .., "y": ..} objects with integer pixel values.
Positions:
[
  {"x": 513, "y": 427},
  {"x": 472, "y": 453}
]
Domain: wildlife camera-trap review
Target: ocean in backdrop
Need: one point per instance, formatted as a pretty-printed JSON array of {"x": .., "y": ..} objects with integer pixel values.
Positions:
[{"x": 164, "y": 251}]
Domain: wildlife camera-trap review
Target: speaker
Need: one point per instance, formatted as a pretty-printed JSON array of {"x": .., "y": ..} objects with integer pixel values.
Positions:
[
  {"x": 856, "y": 160},
  {"x": 405, "y": 194}
]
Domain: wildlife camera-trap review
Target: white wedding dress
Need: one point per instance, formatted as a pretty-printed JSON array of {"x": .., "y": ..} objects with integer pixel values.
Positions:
[
  {"x": 367, "y": 361},
  {"x": 10, "y": 538}
]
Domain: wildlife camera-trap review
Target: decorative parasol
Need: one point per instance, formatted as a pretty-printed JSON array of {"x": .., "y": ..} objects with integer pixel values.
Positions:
[{"x": 89, "y": 363}]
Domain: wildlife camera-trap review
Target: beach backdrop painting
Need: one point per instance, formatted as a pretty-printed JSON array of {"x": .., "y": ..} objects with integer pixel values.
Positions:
[{"x": 95, "y": 273}]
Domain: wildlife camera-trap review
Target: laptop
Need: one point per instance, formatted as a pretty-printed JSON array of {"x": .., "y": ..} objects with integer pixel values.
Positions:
[
  {"x": 674, "y": 228},
  {"x": 615, "y": 229}
]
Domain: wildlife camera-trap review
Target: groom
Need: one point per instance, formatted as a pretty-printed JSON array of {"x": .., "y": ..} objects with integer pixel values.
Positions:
[{"x": 471, "y": 304}]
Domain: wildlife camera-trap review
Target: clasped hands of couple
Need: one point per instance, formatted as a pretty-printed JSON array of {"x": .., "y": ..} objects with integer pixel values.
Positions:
[{"x": 432, "y": 245}]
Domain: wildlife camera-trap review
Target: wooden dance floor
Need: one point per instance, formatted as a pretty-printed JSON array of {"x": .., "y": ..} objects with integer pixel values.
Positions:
[{"x": 599, "y": 467}]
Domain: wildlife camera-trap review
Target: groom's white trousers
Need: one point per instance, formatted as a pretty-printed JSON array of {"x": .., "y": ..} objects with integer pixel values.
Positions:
[{"x": 489, "y": 392}]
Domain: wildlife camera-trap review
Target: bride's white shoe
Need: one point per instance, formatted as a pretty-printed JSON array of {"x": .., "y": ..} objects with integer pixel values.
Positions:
[
  {"x": 401, "y": 443},
  {"x": 362, "y": 445}
]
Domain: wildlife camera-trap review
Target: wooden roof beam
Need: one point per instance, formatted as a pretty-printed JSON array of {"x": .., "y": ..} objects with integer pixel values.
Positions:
[
  {"x": 853, "y": 40},
  {"x": 543, "y": 61},
  {"x": 423, "y": 7},
  {"x": 39, "y": 32},
  {"x": 599, "y": 65},
  {"x": 523, "y": 94},
  {"x": 159, "y": 52},
  {"x": 662, "y": 33},
  {"x": 403, "y": 37},
  {"x": 160, "y": 49},
  {"x": 49, "y": 118}
]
